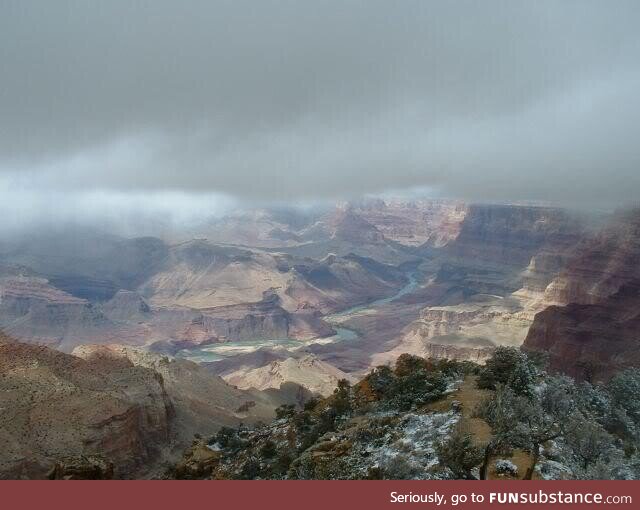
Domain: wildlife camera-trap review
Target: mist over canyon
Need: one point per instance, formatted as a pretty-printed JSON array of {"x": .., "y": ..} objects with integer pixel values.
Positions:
[
  {"x": 269, "y": 306},
  {"x": 336, "y": 239}
]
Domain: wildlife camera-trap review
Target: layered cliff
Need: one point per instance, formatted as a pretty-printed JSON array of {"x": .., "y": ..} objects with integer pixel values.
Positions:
[
  {"x": 591, "y": 328},
  {"x": 494, "y": 273},
  {"x": 86, "y": 263},
  {"x": 265, "y": 319},
  {"x": 415, "y": 223},
  {"x": 32, "y": 309},
  {"x": 467, "y": 331},
  {"x": 590, "y": 341},
  {"x": 58, "y": 406},
  {"x": 509, "y": 235},
  {"x": 307, "y": 371},
  {"x": 204, "y": 276},
  {"x": 109, "y": 405},
  {"x": 601, "y": 264}
]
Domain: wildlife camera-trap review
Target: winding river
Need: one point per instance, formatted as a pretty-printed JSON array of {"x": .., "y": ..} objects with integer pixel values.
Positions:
[{"x": 220, "y": 351}]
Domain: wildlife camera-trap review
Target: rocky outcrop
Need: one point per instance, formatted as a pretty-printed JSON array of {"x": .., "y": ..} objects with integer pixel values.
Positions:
[
  {"x": 590, "y": 341},
  {"x": 204, "y": 276},
  {"x": 509, "y": 235},
  {"x": 126, "y": 306},
  {"x": 346, "y": 230},
  {"x": 543, "y": 268},
  {"x": 111, "y": 410},
  {"x": 432, "y": 223},
  {"x": 197, "y": 463},
  {"x": 263, "y": 320},
  {"x": 590, "y": 329},
  {"x": 58, "y": 406},
  {"x": 457, "y": 352},
  {"x": 346, "y": 225},
  {"x": 308, "y": 371},
  {"x": 468, "y": 331},
  {"x": 34, "y": 310},
  {"x": 335, "y": 283},
  {"x": 201, "y": 402},
  {"x": 82, "y": 468}
]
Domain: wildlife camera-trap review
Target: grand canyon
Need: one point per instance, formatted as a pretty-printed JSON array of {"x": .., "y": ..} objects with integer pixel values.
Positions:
[
  {"x": 327, "y": 240},
  {"x": 117, "y": 352}
]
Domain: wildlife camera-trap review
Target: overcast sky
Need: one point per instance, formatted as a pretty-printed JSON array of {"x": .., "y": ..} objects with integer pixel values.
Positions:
[{"x": 305, "y": 100}]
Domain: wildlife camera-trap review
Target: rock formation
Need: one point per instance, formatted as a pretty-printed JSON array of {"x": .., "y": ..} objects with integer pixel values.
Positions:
[
  {"x": 509, "y": 235},
  {"x": 591, "y": 328},
  {"x": 432, "y": 223},
  {"x": 308, "y": 371},
  {"x": 200, "y": 275},
  {"x": 111, "y": 411},
  {"x": 57, "y": 406},
  {"x": 32, "y": 309}
]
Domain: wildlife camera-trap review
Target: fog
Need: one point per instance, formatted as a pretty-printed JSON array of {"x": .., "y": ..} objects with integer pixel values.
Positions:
[{"x": 140, "y": 111}]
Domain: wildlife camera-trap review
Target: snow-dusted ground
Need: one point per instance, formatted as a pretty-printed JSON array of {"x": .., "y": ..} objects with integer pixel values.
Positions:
[{"x": 412, "y": 454}]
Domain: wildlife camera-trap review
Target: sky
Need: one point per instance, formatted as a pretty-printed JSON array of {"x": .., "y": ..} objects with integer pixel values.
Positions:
[{"x": 178, "y": 106}]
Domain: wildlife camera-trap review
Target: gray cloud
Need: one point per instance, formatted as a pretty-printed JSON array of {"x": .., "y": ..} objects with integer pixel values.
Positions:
[{"x": 280, "y": 100}]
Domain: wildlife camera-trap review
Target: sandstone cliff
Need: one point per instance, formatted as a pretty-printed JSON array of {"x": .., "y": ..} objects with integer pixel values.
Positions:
[
  {"x": 56, "y": 406},
  {"x": 415, "y": 223},
  {"x": 31, "y": 308},
  {"x": 112, "y": 410},
  {"x": 204, "y": 276},
  {"x": 593, "y": 328},
  {"x": 509, "y": 235},
  {"x": 308, "y": 371}
]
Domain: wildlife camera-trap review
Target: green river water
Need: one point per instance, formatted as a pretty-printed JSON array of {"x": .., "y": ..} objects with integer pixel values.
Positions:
[{"x": 224, "y": 350}]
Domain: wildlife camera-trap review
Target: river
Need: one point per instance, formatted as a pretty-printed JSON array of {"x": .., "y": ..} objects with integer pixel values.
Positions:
[{"x": 220, "y": 351}]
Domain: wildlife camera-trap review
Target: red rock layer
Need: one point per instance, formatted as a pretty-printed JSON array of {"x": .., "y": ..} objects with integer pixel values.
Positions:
[{"x": 598, "y": 331}]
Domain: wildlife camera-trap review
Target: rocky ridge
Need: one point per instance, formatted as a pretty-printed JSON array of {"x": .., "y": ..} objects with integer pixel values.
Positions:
[{"x": 119, "y": 406}]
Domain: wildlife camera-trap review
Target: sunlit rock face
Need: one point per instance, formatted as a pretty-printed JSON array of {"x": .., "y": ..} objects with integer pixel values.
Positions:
[
  {"x": 31, "y": 308},
  {"x": 308, "y": 371},
  {"x": 592, "y": 329},
  {"x": 58, "y": 406},
  {"x": 415, "y": 223},
  {"x": 121, "y": 409},
  {"x": 496, "y": 271}
]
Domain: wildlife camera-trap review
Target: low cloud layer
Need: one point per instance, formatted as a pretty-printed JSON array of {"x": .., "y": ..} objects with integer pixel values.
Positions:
[{"x": 288, "y": 100}]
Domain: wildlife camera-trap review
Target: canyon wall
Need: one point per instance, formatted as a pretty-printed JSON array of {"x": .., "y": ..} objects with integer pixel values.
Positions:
[
  {"x": 591, "y": 329},
  {"x": 112, "y": 405}
]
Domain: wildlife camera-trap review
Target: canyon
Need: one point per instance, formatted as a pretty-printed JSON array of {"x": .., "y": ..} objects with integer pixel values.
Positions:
[
  {"x": 132, "y": 408},
  {"x": 220, "y": 323}
]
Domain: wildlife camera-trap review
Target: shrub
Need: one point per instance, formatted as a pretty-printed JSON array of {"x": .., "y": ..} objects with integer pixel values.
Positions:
[
  {"x": 341, "y": 402},
  {"x": 459, "y": 454},
  {"x": 510, "y": 367},
  {"x": 506, "y": 467},
  {"x": 227, "y": 438},
  {"x": 268, "y": 449},
  {"x": 285, "y": 411},
  {"x": 416, "y": 389},
  {"x": 380, "y": 379},
  {"x": 407, "y": 364}
]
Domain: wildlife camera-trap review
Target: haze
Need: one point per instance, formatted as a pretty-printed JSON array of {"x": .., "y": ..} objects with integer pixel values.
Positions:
[{"x": 274, "y": 101}]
